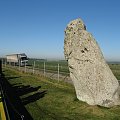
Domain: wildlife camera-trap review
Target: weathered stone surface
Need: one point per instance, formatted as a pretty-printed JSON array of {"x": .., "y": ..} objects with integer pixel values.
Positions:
[{"x": 93, "y": 80}]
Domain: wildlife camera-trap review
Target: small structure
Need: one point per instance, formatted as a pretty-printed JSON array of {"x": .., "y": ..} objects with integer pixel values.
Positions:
[{"x": 17, "y": 59}]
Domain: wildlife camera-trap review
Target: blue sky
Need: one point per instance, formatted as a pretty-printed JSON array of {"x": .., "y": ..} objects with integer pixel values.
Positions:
[{"x": 36, "y": 27}]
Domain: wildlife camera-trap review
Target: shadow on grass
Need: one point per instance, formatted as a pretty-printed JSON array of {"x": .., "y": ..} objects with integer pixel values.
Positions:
[
  {"x": 12, "y": 94},
  {"x": 10, "y": 78},
  {"x": 33, "y": 97}
]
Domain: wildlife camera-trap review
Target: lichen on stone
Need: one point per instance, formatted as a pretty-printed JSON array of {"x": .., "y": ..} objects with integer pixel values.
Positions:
[{"x": 93, "y": 80}]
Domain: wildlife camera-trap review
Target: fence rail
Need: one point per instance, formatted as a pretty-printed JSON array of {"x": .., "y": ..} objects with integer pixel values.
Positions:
[
  {"x": 3, "y": 107},
  {"x": 56, "y": 71}
]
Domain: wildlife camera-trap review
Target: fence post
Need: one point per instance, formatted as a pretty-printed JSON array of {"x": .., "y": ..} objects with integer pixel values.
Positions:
[
  {"x": 2, "y": 63},
  {"x": 58, "y": 72},
  {"x": 44, "y": 69},
  {"x": 0, "y": 67},
  {"x": 38, "y": 68},
  {"x": 19, "y": 65},
  {"x": 25, "y": 66},
  {"x": 5, "y": 63},
  {"x": 34, "y": 67}
]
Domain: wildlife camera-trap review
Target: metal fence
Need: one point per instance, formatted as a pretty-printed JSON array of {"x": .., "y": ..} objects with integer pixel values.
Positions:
[
  {"x": 56, "y": 71},
  {"x": 3, "y": 106}
]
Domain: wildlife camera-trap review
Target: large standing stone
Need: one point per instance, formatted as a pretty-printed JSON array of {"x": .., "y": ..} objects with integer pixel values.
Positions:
[{"x": 93, "y": 80}]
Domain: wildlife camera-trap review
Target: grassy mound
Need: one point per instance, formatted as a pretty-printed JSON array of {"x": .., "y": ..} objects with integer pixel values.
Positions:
[{"x": 46, "y": 99}]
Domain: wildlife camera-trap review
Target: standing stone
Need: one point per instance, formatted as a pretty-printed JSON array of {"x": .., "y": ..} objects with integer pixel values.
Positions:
[{"x": 93, "y": 80}]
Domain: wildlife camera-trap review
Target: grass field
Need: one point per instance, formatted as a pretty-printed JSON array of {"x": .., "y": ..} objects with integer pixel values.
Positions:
[
  {"x": 116, "y": 70},
  {"x": 53, "y": 65},
  {"x": 46, "y": 99},
  {"x": 50, "y": 65}
]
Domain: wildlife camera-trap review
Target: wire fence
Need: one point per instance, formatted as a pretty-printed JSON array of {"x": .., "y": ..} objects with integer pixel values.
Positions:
[{"x": 57, "y": 70}]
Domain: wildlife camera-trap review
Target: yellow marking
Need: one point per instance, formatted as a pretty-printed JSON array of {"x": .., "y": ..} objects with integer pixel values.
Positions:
[{"x": 2, "y": 112}]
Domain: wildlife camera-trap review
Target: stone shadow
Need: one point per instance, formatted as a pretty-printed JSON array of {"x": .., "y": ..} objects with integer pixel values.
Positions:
[
  {"x": 33, "y": 97},
  {"x": 25, "y": 89},
  {"x": 16, "y": 105}
]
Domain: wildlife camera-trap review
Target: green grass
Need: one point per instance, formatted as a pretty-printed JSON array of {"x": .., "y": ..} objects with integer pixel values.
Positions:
[
  {"x": 53, "y": 65},
  {"x": 56, "y": 101},
  {"x": 116, "y": 70},
  {"x": 50, "y": 65}
]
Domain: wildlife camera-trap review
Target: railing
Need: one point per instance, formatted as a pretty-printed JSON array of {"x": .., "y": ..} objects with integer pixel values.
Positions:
[
  {"x": 6, "y": 105},
  {"x": 3, "y": 107}
]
